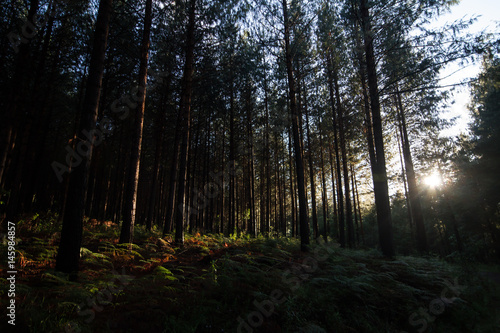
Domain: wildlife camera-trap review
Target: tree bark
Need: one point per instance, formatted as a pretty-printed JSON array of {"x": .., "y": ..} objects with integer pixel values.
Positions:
[
  {"x": 359, "y": 209},
  {"x": 185, "y": 113},
  {"x": 379, "y": 172},
  {"x": 129, "y": 214},
  {"x": 324, "y": 195},
  {"x": 293, "y": 200},
  {"x": 340, "y": 193},
  {"x": 251, "y": 183},
  {"x": 311, "y": 172},
  {"x": 68, "y": 254},
  {"x": 414, "y": 197},
  {"x": 232, "y": 157},
  {"x": 343, "y": 149},
  {"x": 295, "y": 113}
]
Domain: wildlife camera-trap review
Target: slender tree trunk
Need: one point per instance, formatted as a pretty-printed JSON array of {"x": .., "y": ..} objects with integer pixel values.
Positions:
[
  {"x": 192, "y": 207},
  {"x": 152, "y": 204},
  {"x": 155, "y": 190},
  {"x": 359, "y": 209},
  {"x": 356, "y": 221},
  {"x": 173, "y": 179},
  {"x": 324, "y": 195},
  {"x": 292, "y": 188},
  {"x": 129, "y": 214},
  {"x": 208, "y": 202},
  {"x": 282, "y": 190},
  {"x": 399, "y": 135},
  {"x": 414, "y": 197},
  {"x": 343, "y": 149},
  {"x": 262, "y": 201},
  {"x": 267, "y": 166},
  {"x": 340, "y": 193},
  {"x": 232, "y": 162},
  {"x": 379, "y": 172},
  {"x": 185, "y": 113},
  {"x": 223, "y": 187},
  {"x": 251, "y": 168},
  {"x": 68, "y": 254},
  {"x": 334, "y": 199},
  {"x": 299, "y": 163},
  {"x": 311, "y": 172}
]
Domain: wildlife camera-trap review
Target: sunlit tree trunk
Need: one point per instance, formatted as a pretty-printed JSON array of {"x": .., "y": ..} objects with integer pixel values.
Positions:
[{"x": 129, "y": 214}]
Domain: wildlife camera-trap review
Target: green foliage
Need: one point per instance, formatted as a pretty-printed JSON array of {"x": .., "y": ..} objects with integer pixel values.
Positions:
[
  {"x": 164, "y": 273},
  {"x": 96, "y": 259},
  {"x": 474, "y": 195},
  {"x": 486, "y": 131},
  {"x": 214, "y": 280},
  {"x": 40, "y": 223}
]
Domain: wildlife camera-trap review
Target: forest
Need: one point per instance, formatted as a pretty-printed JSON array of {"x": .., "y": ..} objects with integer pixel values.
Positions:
[{"x": 248, "y": 166}]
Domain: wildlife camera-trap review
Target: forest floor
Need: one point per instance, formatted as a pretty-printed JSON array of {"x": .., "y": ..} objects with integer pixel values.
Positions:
[{"x": 223, "y": 284}]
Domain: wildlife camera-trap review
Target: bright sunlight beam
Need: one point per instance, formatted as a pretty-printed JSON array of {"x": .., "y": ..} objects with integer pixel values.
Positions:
[{"x": 433, "y": 180}]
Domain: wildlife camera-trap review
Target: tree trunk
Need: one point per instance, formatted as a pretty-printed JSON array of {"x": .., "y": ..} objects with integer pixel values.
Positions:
[
  {"x": 299, "y": 163},
  {"x": 379, "y": 172},
  {"x": 343, "y": 149},
  {"x": 293, "y": 200},
  {"x": 68, "y": 254},
  {"x": 311, "y": 172},
  {"x": 232, "y": 162},
  {"x": 127, "y": 232},
  {"x": 334, "y": 199},
  {"x": 414, "y": 197},
  {"x": 359, "y": 209},
  {"x": 185, "y": 113},
  {"x": 399, "y": 135},
  {"x": 155, "y": 191},
  {"x": 324, "y": 195},
  {"x": 173, "y": 180},
  {"x": 340, "y": 193},
  {"x": 251, "y": 183},
  {"x": 354, "y": 200},
  {"x": 16, "y": 125}
]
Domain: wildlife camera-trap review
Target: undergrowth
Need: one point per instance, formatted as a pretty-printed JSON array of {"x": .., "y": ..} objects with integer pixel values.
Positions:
[{"x": 228, "y": 284}]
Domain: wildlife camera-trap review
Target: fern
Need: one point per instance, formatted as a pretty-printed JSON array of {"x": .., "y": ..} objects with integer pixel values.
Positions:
[
  {"x": 56, "y": 278},
  {"x": 164, "y": 273}
]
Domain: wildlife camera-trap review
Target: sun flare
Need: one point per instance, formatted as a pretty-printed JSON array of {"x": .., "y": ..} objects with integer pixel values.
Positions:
[{"x": 433, "y": 180}]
